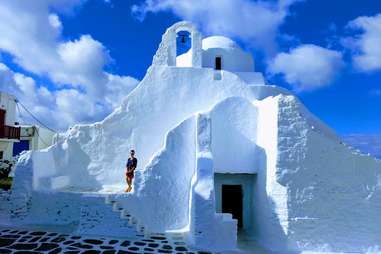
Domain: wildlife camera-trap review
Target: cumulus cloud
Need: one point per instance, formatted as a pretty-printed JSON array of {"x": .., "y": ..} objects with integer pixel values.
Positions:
[
  {"x": 32, "y": 37},
  {"x": 83, "y": 61},
  {"x": 307, "y": 67},
  {"x": 366, "y": 43},
  {"x": 255, "y": 22},
  {"x": 62, "y": 107},
  {"x": 31, "y": 34}
]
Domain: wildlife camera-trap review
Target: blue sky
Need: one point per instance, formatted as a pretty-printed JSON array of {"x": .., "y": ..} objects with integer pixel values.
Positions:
[{"x": 120, "y": 44}]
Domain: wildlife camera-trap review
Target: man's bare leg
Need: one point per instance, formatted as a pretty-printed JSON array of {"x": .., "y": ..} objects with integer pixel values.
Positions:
[{"x": 129, "y": 182}]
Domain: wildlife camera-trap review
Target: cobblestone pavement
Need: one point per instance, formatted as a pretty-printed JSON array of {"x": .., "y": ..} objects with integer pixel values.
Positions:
[{"x": 30, "y": 242}]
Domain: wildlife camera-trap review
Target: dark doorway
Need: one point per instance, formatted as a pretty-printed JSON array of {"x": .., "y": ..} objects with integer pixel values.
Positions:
[
  {"x": 232, "y": 201},
  {"x": 218, "y": 63}
]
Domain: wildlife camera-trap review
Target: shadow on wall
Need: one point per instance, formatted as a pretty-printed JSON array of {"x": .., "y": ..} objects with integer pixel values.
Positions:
[
  {"x": 234, "y": 134},
  {"x": 72, "y": 172},
  {"x": 161, "y": 195},
  {"x": 266, "y": 228},
  {"x": 235, "y": 151}
]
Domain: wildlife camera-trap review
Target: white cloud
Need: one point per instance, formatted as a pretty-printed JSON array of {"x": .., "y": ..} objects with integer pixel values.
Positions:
[
  {"x": 31, "y": 33},
  {"x": 55, "y": 22},
  {"x": 83, "y": 61},
  {"x": 366, "y": 46},
  {"x": 28, "y": 34},
  {"x": 255, "y": 22},
  {"x": 307, "y": 67},
  {"x": 33, "y": 38},
  {"x": 63, "y": 107},
  {"x": 117, "y": 87}
]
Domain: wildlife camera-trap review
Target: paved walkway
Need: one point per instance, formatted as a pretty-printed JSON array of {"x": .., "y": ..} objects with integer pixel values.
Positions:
[{"x": 24, "y": 241}]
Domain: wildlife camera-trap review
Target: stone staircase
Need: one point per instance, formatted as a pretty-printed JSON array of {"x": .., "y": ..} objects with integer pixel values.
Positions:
[
  {"x": 175, "y": 240},
  {"x": 124, "y": 215},
  {"x": 104, "y": 216},
  {"x": 98, "y": 218}
]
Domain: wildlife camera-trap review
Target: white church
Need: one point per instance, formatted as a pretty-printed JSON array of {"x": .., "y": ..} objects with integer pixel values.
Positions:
[{"x": 222, "y": 157}]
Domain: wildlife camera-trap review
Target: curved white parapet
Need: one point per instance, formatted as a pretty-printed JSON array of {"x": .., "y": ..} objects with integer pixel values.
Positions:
[{"x": 93, "y": 156}]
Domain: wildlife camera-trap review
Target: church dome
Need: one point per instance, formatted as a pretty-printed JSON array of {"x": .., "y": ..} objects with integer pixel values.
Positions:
[
  {"x": 220, "y": 52},
  {"x": 219, "y": 42}
]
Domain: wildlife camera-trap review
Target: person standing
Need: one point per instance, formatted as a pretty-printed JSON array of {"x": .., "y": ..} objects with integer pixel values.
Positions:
[{"x": 132, "y": 162}]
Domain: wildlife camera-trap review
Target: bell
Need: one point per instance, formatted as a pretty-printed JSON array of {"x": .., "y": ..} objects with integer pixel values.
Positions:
[{"x": 182, "y": 38}]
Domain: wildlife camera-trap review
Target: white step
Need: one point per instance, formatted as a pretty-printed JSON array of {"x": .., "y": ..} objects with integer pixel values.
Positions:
[
  {"x": 98, "y": 217},
  {"x": 132, "y": 222},
  {"x": 125, "y": 215},
  {"x": 116, "y": 207},
  {"x": 109, "y": 200}
]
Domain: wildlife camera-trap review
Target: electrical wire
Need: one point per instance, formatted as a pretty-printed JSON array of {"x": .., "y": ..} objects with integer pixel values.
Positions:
[
  {"x": 35, "y": 127},
  {"x": 39, "y": 136},
  {"x": 18, "y": 109},
  {"x": 35, "y": 118}
]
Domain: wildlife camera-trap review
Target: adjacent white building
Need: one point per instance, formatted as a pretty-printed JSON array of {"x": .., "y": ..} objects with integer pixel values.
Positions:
[
  {"x": 220, "y": 155},
  {"x": 15, "y": 138},
  {"x": 33, "y": 137},
  {"x": 9, "y": 131}
]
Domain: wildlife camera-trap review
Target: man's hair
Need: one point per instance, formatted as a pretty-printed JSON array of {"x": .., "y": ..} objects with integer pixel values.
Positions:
[{"x": 132, "y": 151}]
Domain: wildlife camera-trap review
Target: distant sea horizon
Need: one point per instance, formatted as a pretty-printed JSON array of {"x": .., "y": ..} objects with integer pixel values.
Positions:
[{"x": 366, "y": 143}]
